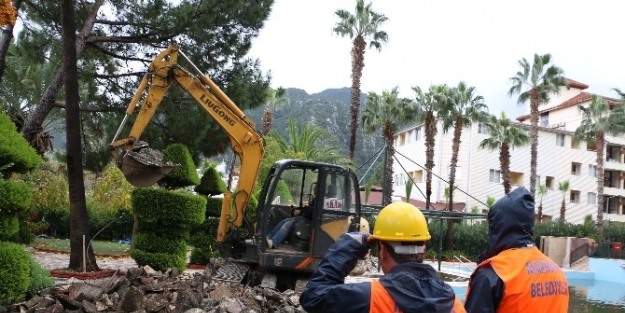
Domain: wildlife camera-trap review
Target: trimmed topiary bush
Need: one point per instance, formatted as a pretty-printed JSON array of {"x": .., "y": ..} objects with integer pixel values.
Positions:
[
  {"x": 151, "y": 241},
  {"x": 183, "y": 175},
  {"x": 14, "y": 272},
  {"x": 168, "y": 207},
  {"x": 15, "y": 150},
  {"x": 203, "y": 239},
  {"x": 211, "y": 183},
  {"x": 14, "y": 196},
  {"x": 159, "y": 261}
]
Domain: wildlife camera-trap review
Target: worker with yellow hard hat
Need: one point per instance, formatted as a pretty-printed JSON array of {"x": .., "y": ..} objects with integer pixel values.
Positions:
[{"x": 408, "y": 285}]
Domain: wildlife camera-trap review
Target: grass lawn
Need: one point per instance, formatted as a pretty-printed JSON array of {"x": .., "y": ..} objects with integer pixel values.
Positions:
[{"x": 99, "y": 247}]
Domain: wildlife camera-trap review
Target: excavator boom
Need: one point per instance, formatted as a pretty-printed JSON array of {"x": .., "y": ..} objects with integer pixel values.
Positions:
[{"x": 246, "y": 142}]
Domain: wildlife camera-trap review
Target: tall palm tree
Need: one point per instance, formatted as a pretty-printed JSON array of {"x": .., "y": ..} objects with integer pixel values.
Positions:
[
  {"x": 311, "y": 141},
  {"x": 542, "y": 190},
  {"x": 360, "y": 27},
  {"x": 428, "y": 105},
  {"x": 276, "y": 99},
  {"x": 386, "y": 112},
  {"x": 539, "y": 80},
  {"x": 563, "y": 187},
  {"x": 464, "y": 108},
  {"x": 599, "y": 120},
  {"x": 504, "y": 136}
]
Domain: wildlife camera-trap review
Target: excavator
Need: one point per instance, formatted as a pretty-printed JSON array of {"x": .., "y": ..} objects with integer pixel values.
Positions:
[{"x": 332, "y": 191}]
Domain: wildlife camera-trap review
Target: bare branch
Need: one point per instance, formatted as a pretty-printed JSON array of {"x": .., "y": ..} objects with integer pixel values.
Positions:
[{"x": 61, "y": 105}]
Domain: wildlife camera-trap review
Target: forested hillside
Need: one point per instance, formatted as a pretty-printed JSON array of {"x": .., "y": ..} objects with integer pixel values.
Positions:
[{"x": 329, "y": 110}]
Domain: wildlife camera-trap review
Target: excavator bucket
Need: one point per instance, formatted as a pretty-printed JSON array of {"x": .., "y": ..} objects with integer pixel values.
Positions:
[{"x": 143, "y": 166}]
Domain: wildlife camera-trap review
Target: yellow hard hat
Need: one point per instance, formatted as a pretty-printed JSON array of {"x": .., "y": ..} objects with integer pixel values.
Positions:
[{"x": 400, "y": 221}]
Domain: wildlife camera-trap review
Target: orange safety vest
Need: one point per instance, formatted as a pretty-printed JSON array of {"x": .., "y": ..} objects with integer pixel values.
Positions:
[
  {"x": 533, "y": 282},
  {"x": 382, "y": 302}
]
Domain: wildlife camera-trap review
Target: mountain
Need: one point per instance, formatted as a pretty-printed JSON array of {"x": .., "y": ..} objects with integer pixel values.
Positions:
[{"x": 329, "y": 110}]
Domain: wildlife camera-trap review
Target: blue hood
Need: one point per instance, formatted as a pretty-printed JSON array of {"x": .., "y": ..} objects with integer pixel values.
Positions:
[{"x": 510, "y": 223}]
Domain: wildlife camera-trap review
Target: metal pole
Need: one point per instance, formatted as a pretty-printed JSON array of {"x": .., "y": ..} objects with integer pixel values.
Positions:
[{"x": 440, "y": 244}]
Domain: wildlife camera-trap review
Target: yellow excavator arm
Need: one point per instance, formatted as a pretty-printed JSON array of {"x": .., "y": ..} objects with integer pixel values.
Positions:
[{"x": 246, "y": 142}]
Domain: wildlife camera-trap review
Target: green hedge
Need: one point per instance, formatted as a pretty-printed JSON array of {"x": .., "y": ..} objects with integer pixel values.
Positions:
[
  {"x": 14, "y": 196},
  {"x": 9, "y": 227},
  {"x": 183, "y": 175},
  {"x": 154, "y": 242},
  {"x": 159, "y": 261},
  {"x": 14, "y": 149},
  {"x": 14, "y": 272},
  {"x": 39, "y": 278},
  {"x": 211, "y": 183},
  {"x": 168, "y": 207},
  {"x": 203, "y": 239},
  {"x": 181, "y": 232},
  {"x": 213, "y": 206}
]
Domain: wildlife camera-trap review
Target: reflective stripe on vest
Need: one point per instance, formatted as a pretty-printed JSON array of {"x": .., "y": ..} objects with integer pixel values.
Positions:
[
  {"x": 533, "y": 282},
  {"x": 381, "y": 301}
]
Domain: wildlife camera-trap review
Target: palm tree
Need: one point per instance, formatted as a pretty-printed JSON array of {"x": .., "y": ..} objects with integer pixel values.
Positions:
[
  {"x": 386, "y": 112},
  {"x": 310, "y": 141},
  {"x": 541, "y": 81},
  {"x": 598, "y": 120},
  {"x": 276, "y": 99},
  {"x": 428, "y": 105},
  {"x": 563, "y": 187},
  {"x": 463, "y": 108},
  {"x": 504, "y": 136},
  {"x": 542, "y": 190},
  {"x": 361, "y": 26}
]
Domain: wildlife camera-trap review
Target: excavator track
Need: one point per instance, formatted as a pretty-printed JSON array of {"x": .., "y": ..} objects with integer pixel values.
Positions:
[{"x": 231, "y": 272}]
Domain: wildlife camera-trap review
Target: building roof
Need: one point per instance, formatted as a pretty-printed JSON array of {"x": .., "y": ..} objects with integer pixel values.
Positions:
[
  {"x": 576, "y": 84},
  {"x": 580, "y": 98}
]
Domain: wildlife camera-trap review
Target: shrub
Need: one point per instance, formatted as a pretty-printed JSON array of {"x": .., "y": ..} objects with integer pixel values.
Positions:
[
  {"x": 159, "y": 261},
  {"x": 14, "y": 272},
  {"x": 168, "y": 207},
  {"x": 14, "y": 196},
  {"x": 213, "y": 206},
  {"x": 152, "y": 242},
  {"x": 9, "y": 227},
  {"x": 203, "y": 239},
  {"x": 39, "y": 278},
  {"x": 14, "y": 149},
  {"x": 183, "y": 175},
  {"x": 211, "y": 183}
]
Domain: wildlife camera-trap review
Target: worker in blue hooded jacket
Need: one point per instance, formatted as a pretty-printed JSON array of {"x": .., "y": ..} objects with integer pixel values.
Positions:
[
  {"x": 408, "y": 286},
  {"x": 512, "y": 274}
]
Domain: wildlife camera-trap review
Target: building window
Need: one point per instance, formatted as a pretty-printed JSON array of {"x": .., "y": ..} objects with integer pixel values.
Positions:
[
  {"x": 409, "y": 137},
  {"x": 516, "y": 179},
  {"x": 417, "y": 176},
  {"x": 544, "y": 119},
  {"x": 592, "y": 170},
  {"x": 482, "y": 128},
  {"x": 574, "y": 196},
  {"x": 560, "y": 140},
  {"x": 495, "y": 176},
  {"x": 418, "y": 134},
  {"x": 576, "y": 168},
  {"x": 549, "y": 182},
  {"x": 402, "y": 139},
  {"x": 592, "y": 198}
]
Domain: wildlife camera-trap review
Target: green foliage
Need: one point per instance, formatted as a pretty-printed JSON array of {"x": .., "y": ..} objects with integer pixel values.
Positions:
[
  {"x": 211, "y": 183},
  {"x": 155, "y": 242},
  {"x": 180, "y": 231},
  {"x": 105, "y": 224},
  {"x": 159, "y": 261},
  {"x": 14, "y": 271},
  {"x": 50, "y": 189},
  {"x": 183, "y": 175},
  {"x": 14, "y": 196},
  {"x": 213, "y": 206},
  {"x": 168, "y": 207},
  {"x": 9, "y": 227},
  {"x": 282, "y": 190},
  {"x": 15, "y": 149},
  {"x": 203, "y": 239},
  {"x": 111, "y": 191},
  {"x": 40, "y": 278}
]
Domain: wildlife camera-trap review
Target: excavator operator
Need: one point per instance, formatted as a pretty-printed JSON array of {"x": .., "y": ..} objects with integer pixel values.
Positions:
[{"x": 407, "y": 286}]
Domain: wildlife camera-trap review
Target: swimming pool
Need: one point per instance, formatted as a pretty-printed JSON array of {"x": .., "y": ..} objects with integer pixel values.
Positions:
[{"x": 599, "y": 290}]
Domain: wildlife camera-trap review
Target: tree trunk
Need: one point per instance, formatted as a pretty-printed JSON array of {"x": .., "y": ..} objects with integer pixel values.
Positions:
[
  {"x": 390, "y": 152},
  {"x": 430, "y": 142},
  {"x": 79, "y": 220},
  {"x": 562, "y": 209},
  {"x": 266, "y": 121},
  {"x": 358, "y": 57},
  {"x": 5, "y": 41},
  {"x": 600, "y": 181},
  {"x": 41, "y": 111},
  {"x": 534, "y": 101},
  {"x": 455, "y": 148},
  {"x": 504, "y": 160},
  {"x": 540, "y": 212}
]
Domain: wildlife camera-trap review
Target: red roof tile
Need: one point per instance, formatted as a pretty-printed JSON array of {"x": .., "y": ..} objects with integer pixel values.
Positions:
[
  {"x": 580, "y": 98},
  {"x": 375, "y": 197},
  {"x": 575, "y": 84}
]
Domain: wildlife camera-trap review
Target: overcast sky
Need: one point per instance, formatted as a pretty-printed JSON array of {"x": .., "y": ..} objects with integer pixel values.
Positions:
[{"x": 447, "y": 41}]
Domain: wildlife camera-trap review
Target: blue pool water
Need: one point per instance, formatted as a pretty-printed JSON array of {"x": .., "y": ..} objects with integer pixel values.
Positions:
[{"x": 599, "y": 290}]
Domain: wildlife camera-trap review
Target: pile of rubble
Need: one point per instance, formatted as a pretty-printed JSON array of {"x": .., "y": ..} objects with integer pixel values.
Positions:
[{"x": 144, "y": 290}]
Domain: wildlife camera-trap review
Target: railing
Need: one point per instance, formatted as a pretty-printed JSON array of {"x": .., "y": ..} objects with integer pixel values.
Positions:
[
  {"x": 578, "y": 254},
  {"x": 462, "y": 260}
]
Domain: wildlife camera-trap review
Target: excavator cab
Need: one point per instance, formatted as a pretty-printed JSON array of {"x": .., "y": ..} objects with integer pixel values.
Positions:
[{"x": 333, "y": 195}]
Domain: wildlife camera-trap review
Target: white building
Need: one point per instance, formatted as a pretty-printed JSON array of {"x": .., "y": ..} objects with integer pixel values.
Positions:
[{"x": 478, "y": 174}]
